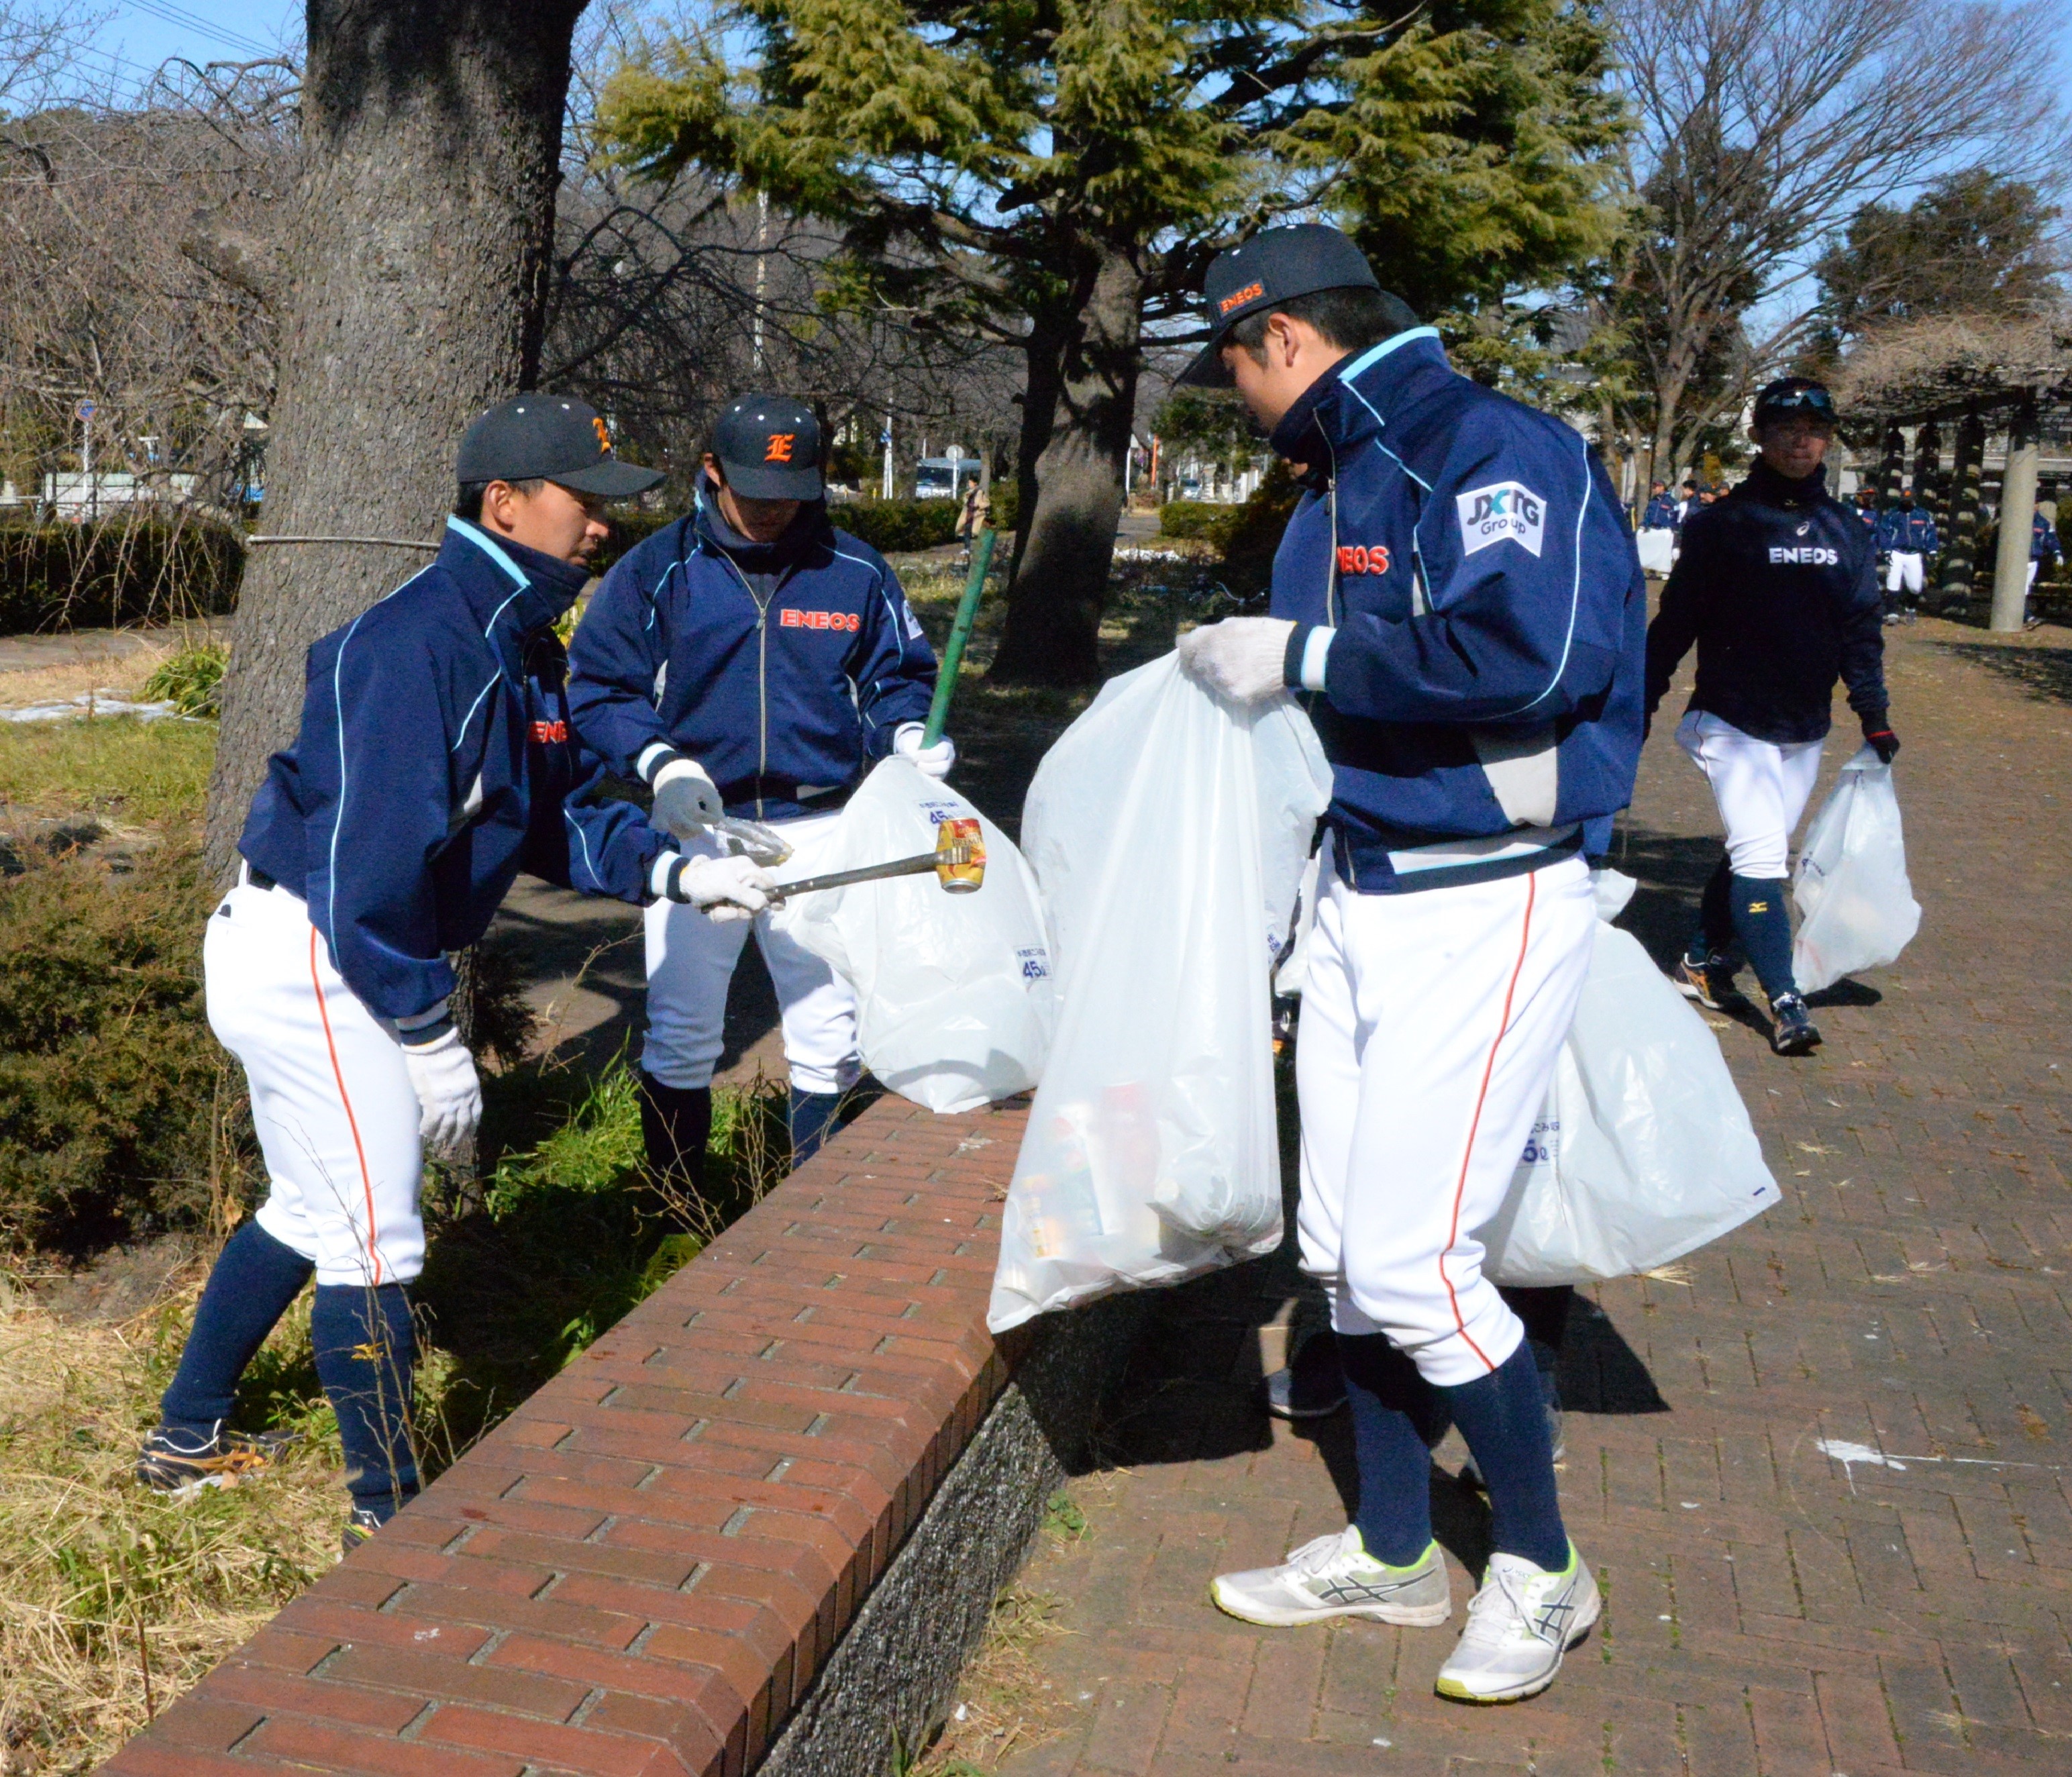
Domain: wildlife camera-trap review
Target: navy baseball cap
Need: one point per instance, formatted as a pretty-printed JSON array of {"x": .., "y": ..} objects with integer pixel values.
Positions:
[
  {"x": 1272, "y": 267},
  {"x": 770, "y": 447},
  {"x": 1790, "y": 396},
  {"x": 549, "y": 438}
]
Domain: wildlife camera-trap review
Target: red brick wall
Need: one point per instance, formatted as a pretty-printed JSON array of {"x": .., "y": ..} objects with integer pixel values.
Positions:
[{"x": 642, "y": 1568}]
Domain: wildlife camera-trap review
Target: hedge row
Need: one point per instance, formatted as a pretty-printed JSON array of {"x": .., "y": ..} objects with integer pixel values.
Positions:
[
  {"x": 896, "y": 526},
  {"x": 120, "y": 570},
  {"x": 1196, "y": 518}
]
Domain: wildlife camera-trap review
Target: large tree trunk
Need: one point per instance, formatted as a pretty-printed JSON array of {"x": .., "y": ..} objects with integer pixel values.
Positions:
[
  {"x": 418, "y": 266},
  {"x": 1076, "y": 418}
]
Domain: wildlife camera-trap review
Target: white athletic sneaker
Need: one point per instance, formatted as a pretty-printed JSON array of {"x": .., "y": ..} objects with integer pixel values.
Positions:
[
  {"x": 1519, "y": 1624},
  {"x": 1335, "y": 1577}
]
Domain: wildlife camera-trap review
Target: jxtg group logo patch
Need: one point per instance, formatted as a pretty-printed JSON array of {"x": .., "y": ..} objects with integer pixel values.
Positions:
[
  {"x": 1508, "y": 512},
  {"x": 845, "y": 620}
]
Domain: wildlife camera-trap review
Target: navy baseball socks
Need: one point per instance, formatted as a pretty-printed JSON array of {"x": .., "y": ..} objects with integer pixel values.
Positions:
[
  {"x": 815, "y": 1117},
  {"x": 675, "y": 1126},
  {"x": 254, "y": 1279},
  {"x": 1762, "y": 922},
  {"x": 364, "y": 1342}
]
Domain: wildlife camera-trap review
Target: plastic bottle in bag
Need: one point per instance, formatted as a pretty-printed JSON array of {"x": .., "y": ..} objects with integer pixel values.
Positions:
[{"x": 1856, "y": 905}]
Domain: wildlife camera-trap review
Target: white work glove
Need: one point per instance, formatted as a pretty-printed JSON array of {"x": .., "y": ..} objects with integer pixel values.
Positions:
[
  {"x": 935, "y": 760},
  {"x": 686, "y": 800},
  {"x": 1241, "y": 658},
  {"x": 721, "y": 888},
  {"x": 448, "y": 1093}
]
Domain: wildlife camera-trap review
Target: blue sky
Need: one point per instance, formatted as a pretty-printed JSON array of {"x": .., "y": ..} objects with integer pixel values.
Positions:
[{"x": 141, "y": 34}]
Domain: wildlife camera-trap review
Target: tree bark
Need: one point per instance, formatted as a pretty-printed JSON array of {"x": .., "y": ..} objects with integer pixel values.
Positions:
[
  {"x": 417, "y": 267},
  {"x": 1076, "y": 418}
]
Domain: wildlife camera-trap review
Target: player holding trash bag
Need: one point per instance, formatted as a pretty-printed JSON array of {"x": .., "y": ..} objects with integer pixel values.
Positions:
[
  {"x": 750, "y": 658},
  {"x": 434, "y": 762},
  {"x": 1457, "y": 599},
  {"x": 1777, "y": 586}
]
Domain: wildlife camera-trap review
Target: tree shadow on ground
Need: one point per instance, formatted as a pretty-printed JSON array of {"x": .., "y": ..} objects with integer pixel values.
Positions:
[{"x": 2041, "y": 672}]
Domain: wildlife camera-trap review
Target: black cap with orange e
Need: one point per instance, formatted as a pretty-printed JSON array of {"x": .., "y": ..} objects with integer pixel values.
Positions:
[
  {"x": 550, "y": 437},
  {"x": 770, "y": 447}
]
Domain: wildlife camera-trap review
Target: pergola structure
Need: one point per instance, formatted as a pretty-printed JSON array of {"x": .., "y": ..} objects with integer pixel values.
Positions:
[{"x": 1977, "y": 381}]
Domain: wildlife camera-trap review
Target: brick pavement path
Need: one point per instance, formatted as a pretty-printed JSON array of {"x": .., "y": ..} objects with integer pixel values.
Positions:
[{"x": 1769, "y": 1609}]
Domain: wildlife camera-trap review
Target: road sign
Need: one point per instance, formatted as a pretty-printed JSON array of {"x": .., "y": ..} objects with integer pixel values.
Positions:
[{"x": 85, "y": 411}]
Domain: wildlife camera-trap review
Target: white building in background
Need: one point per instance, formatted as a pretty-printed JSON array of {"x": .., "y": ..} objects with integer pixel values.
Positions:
[
  {"x": 74, "y": 496},
  {"x": 1193, "y": 478}
]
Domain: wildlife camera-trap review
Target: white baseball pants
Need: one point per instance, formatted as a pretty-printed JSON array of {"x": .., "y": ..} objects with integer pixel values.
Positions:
[
  {"x": 1904, "y": 569},
  {"x": 1430, "y": 1022},
  {"x": 331, "y": 1099},
  {"x": 690, "y": 958},
  {"x": 1762, "y": 787}
]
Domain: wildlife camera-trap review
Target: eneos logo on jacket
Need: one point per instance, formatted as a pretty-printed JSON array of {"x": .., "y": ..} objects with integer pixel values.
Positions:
[
  {"x": 1362, "y": 558},
  {"x": 1507, "y": 512},
  {"x": 846, "y": 620}
]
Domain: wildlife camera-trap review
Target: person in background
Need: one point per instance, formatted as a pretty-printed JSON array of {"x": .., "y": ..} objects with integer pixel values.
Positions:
[
  {"x": 1908, "y": 534},
  {"x": 2042, "y": 548},
  {"x": 1867, "y": 507},
  {"x": 1778, "y": 588},
  {"x": 976, "y": 514},
  {"x": 750, "y": 660},
  {"x": 1657, "y": 540}
]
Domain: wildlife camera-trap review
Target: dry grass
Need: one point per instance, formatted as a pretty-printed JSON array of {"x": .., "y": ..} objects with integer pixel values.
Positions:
[
  {"x": 1004, "y": 1705},
  {"x": 96, "y": 1575}
]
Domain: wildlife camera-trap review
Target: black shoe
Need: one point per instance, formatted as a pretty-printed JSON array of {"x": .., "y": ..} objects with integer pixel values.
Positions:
[
  {"x": 361, "y": 1524},
  {"x": 1311, "y": 1386},
  {"x": 176, "y": 1463},
  {"x": 1793, "y": 1031}
]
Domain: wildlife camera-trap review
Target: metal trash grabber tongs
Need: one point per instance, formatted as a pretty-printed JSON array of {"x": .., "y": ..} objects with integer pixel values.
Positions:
[{"x": 958, "y": 860}]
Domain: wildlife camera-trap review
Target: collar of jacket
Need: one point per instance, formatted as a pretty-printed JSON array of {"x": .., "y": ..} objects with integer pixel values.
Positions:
[
  {"x": 504, "y": 580},
  {"x": 1351, "y": 402},
  {"x": 1765, "y": 485},
  {"x": 811, "y": 528}
]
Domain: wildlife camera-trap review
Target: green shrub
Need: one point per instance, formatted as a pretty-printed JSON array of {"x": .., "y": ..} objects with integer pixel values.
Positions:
[
  {"x": 1006, "y": 505},
  {"x": 1254, "y": 529},
  {"x": 895, "y": 526},
  {"x": 119, "y": 1116},
  {"x": 1195, "y": 518},
  {"x": 630, "y": 526},
  {"x": 120, "y": 570},
  {"x": 191, "y": 680}
]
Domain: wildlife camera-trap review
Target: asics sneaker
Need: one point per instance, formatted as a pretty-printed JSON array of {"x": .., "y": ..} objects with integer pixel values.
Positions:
[
  {"x": 1793, "y": 1031},
  {"x": 180, "y": 1463},
  {"x": 1708, "y": 980},
  {"x": 1519, "y": 1625},
  {"x": 1335, "y": 1577}
]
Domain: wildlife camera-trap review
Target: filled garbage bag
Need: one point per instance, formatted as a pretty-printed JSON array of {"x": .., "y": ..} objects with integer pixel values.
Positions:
[
  {"x": 955, "y": 994},
  {"x": 1168, "y": 829},
  {"x": 1856, "y": 908},
  {"x": 1644, "y": 1151}
]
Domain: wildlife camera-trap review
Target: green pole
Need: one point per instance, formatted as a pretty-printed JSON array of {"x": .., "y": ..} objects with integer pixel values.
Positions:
[{"x": 953, "y": 656}]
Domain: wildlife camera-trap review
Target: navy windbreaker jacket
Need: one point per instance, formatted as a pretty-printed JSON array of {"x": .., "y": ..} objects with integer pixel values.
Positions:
[
  {"x": 1778, "y": 585},
  {"x": 1483, "y": 677},
  {"x": 1661, "y": 514},
  {"x": 1909, "y": 530},
  {"x": 435, "y": 762},
  {"x": 2042, "y": 540},
  {"x": 783, "y": 669}
]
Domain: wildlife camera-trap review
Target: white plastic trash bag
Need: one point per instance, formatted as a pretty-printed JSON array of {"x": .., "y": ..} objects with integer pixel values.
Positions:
[
  {"x": 1169, "y": 830},
  {"x": 1644, "y": 1151},
  {"x": 955, "y": 994},
  {"x": 1856, "y": 908}
]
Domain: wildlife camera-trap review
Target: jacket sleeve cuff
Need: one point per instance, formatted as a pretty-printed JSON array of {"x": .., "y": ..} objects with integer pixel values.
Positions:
[
  {"x": 1309, "y": 647},
  {"x": 420, "y": 1025},
  {"x": 653, "y": 757},
  {"x": 662, "y": 873}
]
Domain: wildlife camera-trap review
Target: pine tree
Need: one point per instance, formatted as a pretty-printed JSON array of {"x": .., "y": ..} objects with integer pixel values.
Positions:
[{"x": 1060, "y": 172}]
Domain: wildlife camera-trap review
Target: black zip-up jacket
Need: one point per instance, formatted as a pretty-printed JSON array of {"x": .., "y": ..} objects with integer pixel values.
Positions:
[{"x": 1778, "y": 585}]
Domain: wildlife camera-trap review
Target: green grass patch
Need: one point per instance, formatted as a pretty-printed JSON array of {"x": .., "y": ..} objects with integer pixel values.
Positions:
[
  {"x": 116, "y": 766},
  {"x": 191, "y": 681}
]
